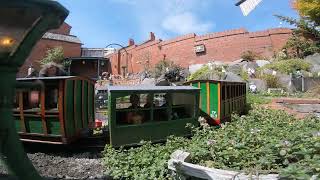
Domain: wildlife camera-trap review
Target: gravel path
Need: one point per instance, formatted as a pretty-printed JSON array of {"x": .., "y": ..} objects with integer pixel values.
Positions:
[{"x": 86, "y": 165}]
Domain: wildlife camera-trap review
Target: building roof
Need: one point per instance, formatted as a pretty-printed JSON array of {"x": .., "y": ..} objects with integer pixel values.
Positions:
[
  {"x": 61, "y": 37},
  {"x": 151, "y": 88},
  {"x": 87, "y": 58}
]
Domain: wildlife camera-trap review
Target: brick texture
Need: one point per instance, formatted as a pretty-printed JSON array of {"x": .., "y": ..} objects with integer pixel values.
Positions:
[
  {"x": 39, "y": 51},
  {"x": 224, "y": 46}
]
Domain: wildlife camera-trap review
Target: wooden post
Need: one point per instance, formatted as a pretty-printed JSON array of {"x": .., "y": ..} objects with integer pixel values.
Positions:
[
  {"x": 61, "y": 109},
  {"x": 43, "y": 111},
  {"x": 23, "y": 123}
]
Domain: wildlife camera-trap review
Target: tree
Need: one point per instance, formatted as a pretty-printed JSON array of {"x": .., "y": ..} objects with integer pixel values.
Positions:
[
  {"x": 309, "y": 9},
  {"x": 163, "y": 67},
  {"x": 305, "y": 39},
  {"x": 55, "y": 55}
]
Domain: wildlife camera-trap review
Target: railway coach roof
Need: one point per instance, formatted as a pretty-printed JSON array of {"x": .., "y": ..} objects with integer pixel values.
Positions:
[
  {"x": 151, "y": 88},
  {"x": 44, "y": 78}
]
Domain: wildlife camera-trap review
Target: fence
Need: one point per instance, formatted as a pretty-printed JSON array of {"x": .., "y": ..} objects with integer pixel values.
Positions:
[{"x": 305, "y": 83}]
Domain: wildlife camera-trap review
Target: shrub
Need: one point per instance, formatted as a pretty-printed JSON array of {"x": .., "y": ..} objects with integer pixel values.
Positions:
[
  {"x": 200, "y": 73},
  {"x": 249, "y": 56},
  {"x": 264, "y": 141},
  {"x": 271, "y": 80},
  {"x": 55, "y": 55},
  {"x": 288, "y": 66},
  {"x": 162, "y": 66}
]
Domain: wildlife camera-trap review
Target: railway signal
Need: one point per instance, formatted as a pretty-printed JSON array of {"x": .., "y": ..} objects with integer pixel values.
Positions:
[{"x": 247, "y": 6}]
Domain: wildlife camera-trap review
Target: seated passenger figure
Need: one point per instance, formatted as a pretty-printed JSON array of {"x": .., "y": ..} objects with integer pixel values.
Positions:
[
  {"x": 135, "y": 117},
  {"x": 149, "y": 102}
]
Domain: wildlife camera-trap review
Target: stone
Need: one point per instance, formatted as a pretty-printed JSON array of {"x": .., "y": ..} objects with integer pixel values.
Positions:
[
  {"x": 251, "y": 65},
  {"x": 149, "y": 81},
  {"x": 315, "y": 69},
  {"x": 261, "y": 63},
  {"x": 233, "y": 77},
  {"x": 195, "y": 67},
  {"x": 285, "y": 82},
  {"x": 234, "y": 68},
  {"x": 313, "y": 59},
  {"x": 260, "y": 84}
]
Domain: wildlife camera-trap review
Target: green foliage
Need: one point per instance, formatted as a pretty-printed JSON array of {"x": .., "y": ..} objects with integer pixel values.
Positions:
[
  {"x": 265, "y": 141},
  {"x": 162, "y": 66},
  {"x": 288, "y": 66},
  {"x": 271, "y": 80},
  {"x": 244, "y": 75},
  {"x": 249, "y": 56},
  {"x": 146, "y": 162},
  {"x": 55, "y": 55},
  {"x": 301, "y": 47},
  {"x": 257, "y": 99},
  {"x": 305, "y": 39},
  {"x": 199, "y": 73},
  {"x": 309, "y": 9}
]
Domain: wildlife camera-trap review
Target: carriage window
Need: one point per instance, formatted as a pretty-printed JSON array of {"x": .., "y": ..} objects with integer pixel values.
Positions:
[
  {"x": 223, "y": 93},
  {"x": 162, "y": 106},
  {"x": 228, "y": 92},
  {"x": 123, "y": 102},
  {"x": 31, "y": 100},
  {"x": 133, "y": 109},
  {"x": 51, "y": 98},
  {"x": 183, "y": 106}
]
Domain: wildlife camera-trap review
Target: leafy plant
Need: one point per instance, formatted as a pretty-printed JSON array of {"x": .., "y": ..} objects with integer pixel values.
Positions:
[
  {"x": 55, "y": 55},
  {"x": 309, "y": 8},
  {"x": 199, "y": 73},
  {"x": 164, "y": 66},
  {"x": 249, "y": 55},
  {"x": 271, "y": 80},
  {"x": 288, "y": 66},
  {"x": 264, "y": 141}
]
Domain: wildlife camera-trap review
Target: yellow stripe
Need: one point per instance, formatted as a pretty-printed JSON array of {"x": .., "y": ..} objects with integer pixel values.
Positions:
[
  {"x": 208, "y": 97},
  {"x": 200, "y": 95},
  {"x": 219, "y": 100}
]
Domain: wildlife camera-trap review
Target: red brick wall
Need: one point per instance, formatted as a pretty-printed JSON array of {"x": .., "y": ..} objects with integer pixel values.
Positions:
[
  {"x": 40, "y": 49},
  {"x": 63, "y": 29},
  {"x": 222, "y": 46}
]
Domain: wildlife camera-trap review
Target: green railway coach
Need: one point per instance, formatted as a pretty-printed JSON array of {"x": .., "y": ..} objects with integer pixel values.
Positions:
[
  {"x": 219, "y": 99},
  {"x": 58, "y": 112},
  {"x": 150, "y": 113}
]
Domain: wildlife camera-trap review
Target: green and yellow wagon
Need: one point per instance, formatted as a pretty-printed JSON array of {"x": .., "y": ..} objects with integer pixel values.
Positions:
[
  {"x": 219, "y": 99},
  {"x": 56, "y": 113}
]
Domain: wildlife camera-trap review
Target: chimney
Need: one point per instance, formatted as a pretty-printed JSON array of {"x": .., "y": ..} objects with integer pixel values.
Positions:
[
  {"x": 131, "y": 42},
  {"x": 152, "y": 36}
]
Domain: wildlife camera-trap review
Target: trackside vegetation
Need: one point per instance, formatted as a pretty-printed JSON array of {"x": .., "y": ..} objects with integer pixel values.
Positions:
[{"x": 264, "y": 141}]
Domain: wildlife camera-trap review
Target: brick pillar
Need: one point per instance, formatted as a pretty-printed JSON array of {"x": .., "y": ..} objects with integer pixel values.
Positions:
[
  {"x": 131, "y": 42},
  {"x": 152, "y": 36}
]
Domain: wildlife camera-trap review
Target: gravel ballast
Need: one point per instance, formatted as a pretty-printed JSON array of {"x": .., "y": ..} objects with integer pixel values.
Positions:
[{"x": 87, "y": 165}]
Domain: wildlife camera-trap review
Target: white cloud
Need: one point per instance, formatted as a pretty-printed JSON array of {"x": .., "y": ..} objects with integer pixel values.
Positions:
[
  {"x": 167, "y": 18},
  {"x": 185, "y": 23}
]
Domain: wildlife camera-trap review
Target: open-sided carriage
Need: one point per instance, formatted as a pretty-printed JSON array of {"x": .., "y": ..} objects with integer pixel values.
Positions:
[
  {"x": 150, "y": 113},
  {"x": 57, "y": 112},
  {"x": 219, "y": 99},
  {"x": 64, "y": 107}
]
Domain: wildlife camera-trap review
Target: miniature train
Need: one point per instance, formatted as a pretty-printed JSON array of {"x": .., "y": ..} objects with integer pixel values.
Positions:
[{"x": 64, "y": 109}]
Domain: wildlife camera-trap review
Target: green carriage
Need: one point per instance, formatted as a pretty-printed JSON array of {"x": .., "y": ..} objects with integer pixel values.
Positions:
[
  {"x": 58, "y": 112},
  {"x": 219, "y": 99},
  {"x": 161, "y": 111}
]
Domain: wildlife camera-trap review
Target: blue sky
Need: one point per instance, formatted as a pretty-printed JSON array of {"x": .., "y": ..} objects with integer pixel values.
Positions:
[{"x": 101, "y": 22}]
